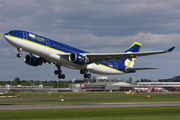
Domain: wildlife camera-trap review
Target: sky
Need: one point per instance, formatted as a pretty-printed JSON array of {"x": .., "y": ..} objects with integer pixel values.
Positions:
[{"x": 107, "y": 26}]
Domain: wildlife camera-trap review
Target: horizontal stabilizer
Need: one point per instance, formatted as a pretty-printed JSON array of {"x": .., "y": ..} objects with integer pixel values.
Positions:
[
  {"x": 131, "y": 69},
  {"x": 170, "y": 49}
]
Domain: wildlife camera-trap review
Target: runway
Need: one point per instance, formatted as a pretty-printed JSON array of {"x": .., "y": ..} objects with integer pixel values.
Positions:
[{"x": 79, "y": 106}]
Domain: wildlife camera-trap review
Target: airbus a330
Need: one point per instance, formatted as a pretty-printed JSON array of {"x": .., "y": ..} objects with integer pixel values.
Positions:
[{"x": 44, "y": 50}]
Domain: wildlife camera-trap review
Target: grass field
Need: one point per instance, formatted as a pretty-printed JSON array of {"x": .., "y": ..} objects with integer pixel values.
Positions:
[
  {"x": 147, "y": 113},
  {"x": 150, "y": 113},
  {"x": 68, "y": 94},
  {"x": 112, "y": 98}
]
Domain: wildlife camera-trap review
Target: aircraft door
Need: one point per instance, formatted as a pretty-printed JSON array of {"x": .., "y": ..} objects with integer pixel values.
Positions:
[
  {"x": 25, "y": 35},
  {"x": 47, "y": 42},
  {"x": 116, "y": 65}
]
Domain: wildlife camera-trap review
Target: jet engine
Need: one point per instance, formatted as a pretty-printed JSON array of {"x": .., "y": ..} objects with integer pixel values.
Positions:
[
  {"x": 32, "y": 60},
  {"x": 78, "y": 58}
]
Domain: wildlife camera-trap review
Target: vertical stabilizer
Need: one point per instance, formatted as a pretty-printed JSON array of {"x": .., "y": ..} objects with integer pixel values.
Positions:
[{"x": 133, "y": 48}]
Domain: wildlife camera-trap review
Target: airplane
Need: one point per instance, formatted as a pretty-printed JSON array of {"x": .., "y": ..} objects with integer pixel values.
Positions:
[
  {"x": 157, "y": 89},
  {"x": 142, "y": 89},
  {"x": 130, "y": 92},
  {"x": 44, "y": 50}
]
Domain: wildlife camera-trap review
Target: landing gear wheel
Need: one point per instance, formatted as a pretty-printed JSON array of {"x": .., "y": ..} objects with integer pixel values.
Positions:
[
  {"x": 19, "y": 50},
  {"x": 19, "y": 55},
  {"x": 82, "y": 71},
  {"x": 63, "y": 76},
  {"x": 85, "y": 71},
  {"x": 59, "y": 72},
  {"x": 59, "y": 76},
  {"x": 56, "y": 72},
  {"x": 85, "y": 75},
  {"x": 89, "y": 75}
]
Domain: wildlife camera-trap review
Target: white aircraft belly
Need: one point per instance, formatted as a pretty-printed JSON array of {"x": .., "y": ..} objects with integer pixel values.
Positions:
[{"x": 101, "y": 69}]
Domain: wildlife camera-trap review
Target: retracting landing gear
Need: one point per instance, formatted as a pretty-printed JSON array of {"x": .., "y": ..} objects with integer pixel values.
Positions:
[
  {"x": 85, "y": 72},
  {"x": 19, "y": 50},
  {"x": 59, "y": 72}
]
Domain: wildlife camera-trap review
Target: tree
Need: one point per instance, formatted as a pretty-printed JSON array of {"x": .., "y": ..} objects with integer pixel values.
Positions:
[
  {"x": 29, "y": 83},
  {"x": 18, "y": 81},
  {"x": 14, "y": 83},
  {"x": 4, "y": 83}
]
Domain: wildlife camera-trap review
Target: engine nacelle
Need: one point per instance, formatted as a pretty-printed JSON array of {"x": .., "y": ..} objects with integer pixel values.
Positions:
[
  {"x": 78, "y": 58},
  {"x": 32, "y": 60}
]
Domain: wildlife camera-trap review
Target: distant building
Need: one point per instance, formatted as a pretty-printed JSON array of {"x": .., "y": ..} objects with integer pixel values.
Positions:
[
  {"x": 174, "y": 79},
  {"x": 162, "y": 84},
  {"x": 132, "y": 80},
  {"x": 98, "y": 79},
  {"x": 21, "y": 88}
]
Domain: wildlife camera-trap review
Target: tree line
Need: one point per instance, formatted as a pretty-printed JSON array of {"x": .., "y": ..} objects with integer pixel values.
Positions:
[{"x": 54, "y": 84}]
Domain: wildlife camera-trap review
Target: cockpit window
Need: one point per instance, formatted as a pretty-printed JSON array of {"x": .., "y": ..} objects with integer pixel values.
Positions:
[{"x": 12, "y": 32}]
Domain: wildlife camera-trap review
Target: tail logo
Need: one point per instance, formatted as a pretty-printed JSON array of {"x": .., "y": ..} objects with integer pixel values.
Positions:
[{"x": 130, "y": 63}]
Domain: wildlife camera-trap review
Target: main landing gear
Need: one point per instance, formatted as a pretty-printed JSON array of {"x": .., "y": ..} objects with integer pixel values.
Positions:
[
  {"x": 85, "y": 72},
  {"x": 59, "y": 72},
  {"x": 19, "y": 50}
]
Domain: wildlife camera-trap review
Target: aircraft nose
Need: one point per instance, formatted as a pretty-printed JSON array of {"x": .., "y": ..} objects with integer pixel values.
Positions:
[{"x": 5, "y": 35}]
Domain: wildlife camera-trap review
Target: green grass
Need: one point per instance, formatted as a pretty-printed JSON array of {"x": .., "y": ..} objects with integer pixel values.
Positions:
[
  {"x": 150, "y": 113},
  {"x": 147, "y": 113},
  {"x": 80, "y": 100},
  {"x": 66, "y": 95}
]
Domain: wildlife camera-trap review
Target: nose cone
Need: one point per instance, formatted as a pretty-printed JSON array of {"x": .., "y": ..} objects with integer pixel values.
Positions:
[{"x": 6, "y": 36}]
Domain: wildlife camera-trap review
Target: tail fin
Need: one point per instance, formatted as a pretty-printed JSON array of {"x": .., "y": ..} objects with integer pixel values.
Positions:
[{"x": 133, "y": 48}]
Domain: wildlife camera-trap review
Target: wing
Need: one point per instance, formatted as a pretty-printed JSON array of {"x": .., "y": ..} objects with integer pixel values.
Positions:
[{"x": 97, "y": 57}]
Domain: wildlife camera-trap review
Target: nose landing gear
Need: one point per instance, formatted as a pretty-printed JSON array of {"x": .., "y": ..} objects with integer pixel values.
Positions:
[{"x": 19, "y": 50}]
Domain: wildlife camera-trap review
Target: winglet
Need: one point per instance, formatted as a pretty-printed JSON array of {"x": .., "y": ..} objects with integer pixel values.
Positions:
[{"x": 171, "y": 49}]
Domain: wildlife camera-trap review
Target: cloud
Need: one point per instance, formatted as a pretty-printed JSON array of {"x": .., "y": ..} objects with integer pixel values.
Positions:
[
  {"x": 100, "y": 18},
  {"x": 95, "y": 26},
  {"x": 91, "y": 42},
  {"x": 7, "y": 51}
]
